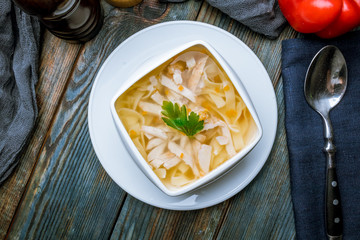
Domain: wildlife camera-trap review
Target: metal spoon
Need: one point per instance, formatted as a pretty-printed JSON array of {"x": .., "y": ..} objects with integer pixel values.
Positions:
[{"x": 325, "y": 85}]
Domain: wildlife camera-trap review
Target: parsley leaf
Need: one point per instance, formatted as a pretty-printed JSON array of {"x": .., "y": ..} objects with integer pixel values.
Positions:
[{"x": 178, "y": 119}]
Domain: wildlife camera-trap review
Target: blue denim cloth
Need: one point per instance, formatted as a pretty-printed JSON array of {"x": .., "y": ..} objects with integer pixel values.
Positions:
[{"x": 305, "y": 139}]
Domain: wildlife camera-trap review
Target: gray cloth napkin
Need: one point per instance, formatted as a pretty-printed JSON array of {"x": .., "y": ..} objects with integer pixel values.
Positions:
[
  {"x": 19, "y": 52},
  {"x": 262, "y": 16}
]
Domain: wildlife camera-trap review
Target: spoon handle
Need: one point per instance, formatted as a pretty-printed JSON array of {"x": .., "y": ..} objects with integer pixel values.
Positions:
[{"x": 333, "y": 213}]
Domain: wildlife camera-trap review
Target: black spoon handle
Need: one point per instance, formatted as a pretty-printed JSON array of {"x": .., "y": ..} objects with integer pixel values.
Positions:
[
  {"x": 333, "y": 213},
  {"x": 333, "y": 206}
]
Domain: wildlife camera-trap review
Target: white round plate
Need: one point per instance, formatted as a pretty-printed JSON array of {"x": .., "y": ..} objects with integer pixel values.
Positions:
[{"x": 125, "y": 59}]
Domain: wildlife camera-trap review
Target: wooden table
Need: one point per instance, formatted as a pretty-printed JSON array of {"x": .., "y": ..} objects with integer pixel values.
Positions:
[{"x": 60, "y": 190}]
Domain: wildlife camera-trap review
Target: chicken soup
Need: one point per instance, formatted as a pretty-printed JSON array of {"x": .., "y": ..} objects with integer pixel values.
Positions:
[{"x": 186, "y": 117}]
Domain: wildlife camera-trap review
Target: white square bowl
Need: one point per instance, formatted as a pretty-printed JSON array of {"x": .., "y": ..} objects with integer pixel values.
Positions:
[{"x": 146, "y": 68}]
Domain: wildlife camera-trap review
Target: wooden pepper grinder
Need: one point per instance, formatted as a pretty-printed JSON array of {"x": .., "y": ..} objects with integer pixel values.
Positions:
[{"x": 76, "y": 21}]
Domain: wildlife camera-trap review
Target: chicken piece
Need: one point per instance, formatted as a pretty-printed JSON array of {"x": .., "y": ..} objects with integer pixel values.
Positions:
[
  {"x": 190, "y": 63},
  {"x": 189, "y": 58},
  {"x": 204, "y": 157},
  {"x": 183, "y": 140},
  {"x": 158, "y": 98},
  {"x": 156, "y": 152},
  {"x": 216, "y": 146},
  {"x": 160, "y": 160},
  {"x": 148, "y": 136},
  {"x": 176, "y": 98},
  {"x": 177, "y": 76},
  {"x": 167, "y": 82},
  {"x": 186, "y": 157},
  {"x": 150, "y": 108},
  {"x": 153, "y": 131},
  {"x": 153, "y": 143},
  {"x": 150, "y": 87},
  {"x": 166, "y": 129},
  {"x": 176, "y": 66},
  {"x": 153, "y": 80},
  {"x": 200, "y": 137},
  {"x": 172, "y": 162},
  {"x": 211, "y": 125},
  {"x": 198, "y": 70},
  {"x": 222, "y": 140},
  {"x": 229, "y": 146},
  {"x": 196, "y": 145}
]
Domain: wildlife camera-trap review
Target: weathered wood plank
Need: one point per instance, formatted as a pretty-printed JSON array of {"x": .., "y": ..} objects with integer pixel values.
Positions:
[
  {"x": 138, "y": 220},
  {"x": 49, "y": 89},
  {"x": 69, "y": 194}
]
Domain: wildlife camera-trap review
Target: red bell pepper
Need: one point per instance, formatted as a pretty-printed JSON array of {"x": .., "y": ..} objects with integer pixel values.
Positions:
[{"x": 325, "y": 18}]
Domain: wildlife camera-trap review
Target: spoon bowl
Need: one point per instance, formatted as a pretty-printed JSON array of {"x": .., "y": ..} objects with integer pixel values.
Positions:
[
  {"x": 326, "y": 80},
  {"x": 325, "y": 85}
]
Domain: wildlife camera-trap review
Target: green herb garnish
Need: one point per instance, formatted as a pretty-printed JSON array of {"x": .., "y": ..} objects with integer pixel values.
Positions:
[{"x": 178, "y": 118}]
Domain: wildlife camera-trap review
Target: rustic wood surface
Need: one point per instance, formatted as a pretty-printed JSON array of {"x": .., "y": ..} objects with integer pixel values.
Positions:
[{"x": 60, "y": 190}]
